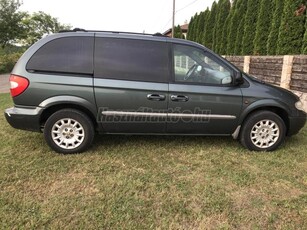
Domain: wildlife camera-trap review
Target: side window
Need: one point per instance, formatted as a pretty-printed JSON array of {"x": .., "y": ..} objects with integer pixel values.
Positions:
[
  {"x": 196, "y": 66},
  {"x": 129, "y": 59},
  {"x": 64, "y": 55}
]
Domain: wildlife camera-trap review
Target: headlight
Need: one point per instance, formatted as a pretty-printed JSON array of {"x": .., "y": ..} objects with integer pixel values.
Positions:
[{"x": 299, "y": 105}]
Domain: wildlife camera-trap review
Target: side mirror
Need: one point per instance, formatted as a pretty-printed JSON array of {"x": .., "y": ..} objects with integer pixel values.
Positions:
[
  {"x": 226, "y": 80},
  {"x": 238, "y": 78}
]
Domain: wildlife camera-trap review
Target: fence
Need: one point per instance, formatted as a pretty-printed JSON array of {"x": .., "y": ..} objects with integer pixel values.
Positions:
[{"x": 289, "y": 72}]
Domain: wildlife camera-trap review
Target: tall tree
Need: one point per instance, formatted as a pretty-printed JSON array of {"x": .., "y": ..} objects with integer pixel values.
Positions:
[
  {"x": 222, "y": 14},
  {"x": 196, "y": 27},
  {"x": 226, "y": 31},
  {"x": 233, "y": 27},
  {"x": 210, "y": 26},
  {"x": 263, "y": 27},
  {"x": 10, "y": 21},
  {"x": 206, "y": 18},
  {"x": 239, "y": 36},
  {"x": 201, "y": 27},
  {"x": 273, "y": 36},
  {"x": 214, "y": 32},
  {"x": 292, "y": 27},
  {"x": 191, "y": 30},
  {"x": 250, "y": 23}
]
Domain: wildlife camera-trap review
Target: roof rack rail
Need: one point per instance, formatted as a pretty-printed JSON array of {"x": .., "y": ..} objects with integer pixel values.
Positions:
[
  {"x": 114, "y": 32},
  {"x": 73, "y": 30}
]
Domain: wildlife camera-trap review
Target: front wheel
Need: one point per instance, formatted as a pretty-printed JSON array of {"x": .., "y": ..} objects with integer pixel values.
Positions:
[
  {"x": 263, "y": 131},
  {"x": 69, "y": 131}
]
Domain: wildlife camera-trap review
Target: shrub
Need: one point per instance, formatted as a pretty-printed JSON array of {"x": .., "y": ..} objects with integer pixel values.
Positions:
[{"x": 7, "y": 62}]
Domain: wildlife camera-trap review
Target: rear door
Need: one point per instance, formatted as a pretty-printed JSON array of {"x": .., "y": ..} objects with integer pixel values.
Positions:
[
  {"x": 131, "y": 84},
  {"x": 202, "y": 98}
]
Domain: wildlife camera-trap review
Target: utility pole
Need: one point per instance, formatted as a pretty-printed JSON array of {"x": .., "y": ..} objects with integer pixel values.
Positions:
[{"x": 173, "y": 26}]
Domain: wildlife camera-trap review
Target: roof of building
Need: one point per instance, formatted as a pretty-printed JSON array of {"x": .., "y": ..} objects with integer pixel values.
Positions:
[{"x": 184, "y": 29}]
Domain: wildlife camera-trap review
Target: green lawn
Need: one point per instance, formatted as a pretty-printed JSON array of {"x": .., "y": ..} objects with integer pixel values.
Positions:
[{"x": 146, "y": 182}]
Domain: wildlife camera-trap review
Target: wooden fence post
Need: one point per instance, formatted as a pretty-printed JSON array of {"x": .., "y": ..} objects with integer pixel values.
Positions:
[{"x": 286, "y": 72}]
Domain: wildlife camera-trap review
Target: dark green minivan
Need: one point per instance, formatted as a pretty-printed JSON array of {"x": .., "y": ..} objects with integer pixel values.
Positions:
[{"x": 73, "y": 84}]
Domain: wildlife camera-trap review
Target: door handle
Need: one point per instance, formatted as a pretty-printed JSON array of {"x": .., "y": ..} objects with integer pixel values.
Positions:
[
  {"x": 156, "y": 97},
  {"x": 179, "y": 98}
]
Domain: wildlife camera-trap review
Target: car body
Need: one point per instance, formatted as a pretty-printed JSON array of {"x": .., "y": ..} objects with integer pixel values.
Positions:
[{"x": 73, "y": 84}]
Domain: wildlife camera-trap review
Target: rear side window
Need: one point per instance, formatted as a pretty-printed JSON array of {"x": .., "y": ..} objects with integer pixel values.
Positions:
[
  {"x": 129, "y": 59},
  {"x": 64, "y": 55}
]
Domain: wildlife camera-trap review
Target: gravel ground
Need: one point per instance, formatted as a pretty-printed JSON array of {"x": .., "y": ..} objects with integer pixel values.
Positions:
[{"x": 4, "y": 83}]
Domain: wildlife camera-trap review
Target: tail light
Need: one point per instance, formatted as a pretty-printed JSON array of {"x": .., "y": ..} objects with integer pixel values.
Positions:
[{"x": 18, "y": 85}]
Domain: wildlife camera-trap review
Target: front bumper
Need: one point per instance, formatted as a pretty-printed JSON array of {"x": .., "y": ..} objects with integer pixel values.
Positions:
[
  {"x": 24, "y": 118},
  {"x": 296, "y": 124}
]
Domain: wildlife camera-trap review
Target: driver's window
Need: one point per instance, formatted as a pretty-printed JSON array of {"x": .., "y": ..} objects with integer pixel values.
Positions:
[{"x": 193, "y": 65}]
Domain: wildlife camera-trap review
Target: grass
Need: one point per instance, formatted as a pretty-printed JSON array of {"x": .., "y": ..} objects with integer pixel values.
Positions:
[{"x": 146, "y": 182}]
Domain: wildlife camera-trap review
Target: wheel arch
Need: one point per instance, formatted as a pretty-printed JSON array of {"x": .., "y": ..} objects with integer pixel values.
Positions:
[
  {"x": 282, "y": 112},
  {"x": 55, "y": 104}
]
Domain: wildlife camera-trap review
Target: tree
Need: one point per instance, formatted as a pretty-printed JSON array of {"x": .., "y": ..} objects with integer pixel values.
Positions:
[
  {"x": 190, "y": 29},
  {"x": 273, "y": 36},
  {"x": 263, "y": 27},
  {"x": 226, "y": 31},
  {"x": 10, "y": 21},
  {"x": 223, "y": 12},
  {"x": 239, "y": 35},
  {"x": 233, "y": 27},
  {"x": 178, "y": 32},
  {"x": 292, "y": 27},
  {"x": 209, "y": 26},
  {"x": 201, "y": 27},
  {"x": 205, "y": 18},
  {"x": 38, "y": 24},
  {"x": 193, "y": 28},
  {"x": 250, "y": 23}
]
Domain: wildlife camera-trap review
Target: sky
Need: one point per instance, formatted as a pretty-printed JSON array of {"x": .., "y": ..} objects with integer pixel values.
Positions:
[{"x": 149, "y": 16}]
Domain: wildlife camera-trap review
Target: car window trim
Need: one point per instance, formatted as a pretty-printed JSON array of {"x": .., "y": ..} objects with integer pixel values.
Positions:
[{"x": 72, "y": 74}]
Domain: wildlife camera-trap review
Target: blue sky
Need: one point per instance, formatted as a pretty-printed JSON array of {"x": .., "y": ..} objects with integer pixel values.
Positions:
[{"x": 134, "y": 15}]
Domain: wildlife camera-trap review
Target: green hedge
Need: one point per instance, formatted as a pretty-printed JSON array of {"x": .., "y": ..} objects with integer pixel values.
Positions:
[{"x": 7, "y": 62}]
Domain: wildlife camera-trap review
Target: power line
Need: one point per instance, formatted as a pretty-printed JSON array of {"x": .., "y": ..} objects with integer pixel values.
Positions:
[
  {"x": 167, "y": 23},
  {"x": 186, "y": 6},
  {"x": 177, "y": 12}
]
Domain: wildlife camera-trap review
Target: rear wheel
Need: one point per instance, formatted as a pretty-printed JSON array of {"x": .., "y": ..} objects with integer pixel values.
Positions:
[
  {"x": 263, "y": 131},
  {"x": 69, "y": 131}
]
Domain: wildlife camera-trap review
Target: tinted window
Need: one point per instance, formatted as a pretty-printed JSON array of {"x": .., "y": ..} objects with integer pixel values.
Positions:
[
  {"x": 129, "y": 59},
  {"x": 64, "y": 55},
  {"x": 196, "y": 66}
]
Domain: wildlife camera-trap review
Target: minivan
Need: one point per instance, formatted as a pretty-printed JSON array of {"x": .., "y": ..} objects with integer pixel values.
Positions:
[{"x": 73, "y": 84}]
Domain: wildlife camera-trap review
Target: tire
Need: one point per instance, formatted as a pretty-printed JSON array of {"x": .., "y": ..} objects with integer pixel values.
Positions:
[
  {"x": 263, "y": 131},
  {"x": 69, "y": 131}
]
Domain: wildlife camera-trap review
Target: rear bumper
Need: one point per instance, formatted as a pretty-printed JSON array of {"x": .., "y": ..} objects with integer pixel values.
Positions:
[
  {"x": 296, "y": 124},
  {"x": 24, "y": 118}
]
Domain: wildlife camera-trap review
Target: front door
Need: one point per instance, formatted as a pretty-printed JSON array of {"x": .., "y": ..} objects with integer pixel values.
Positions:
[{"x": 202, "y": 98}]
